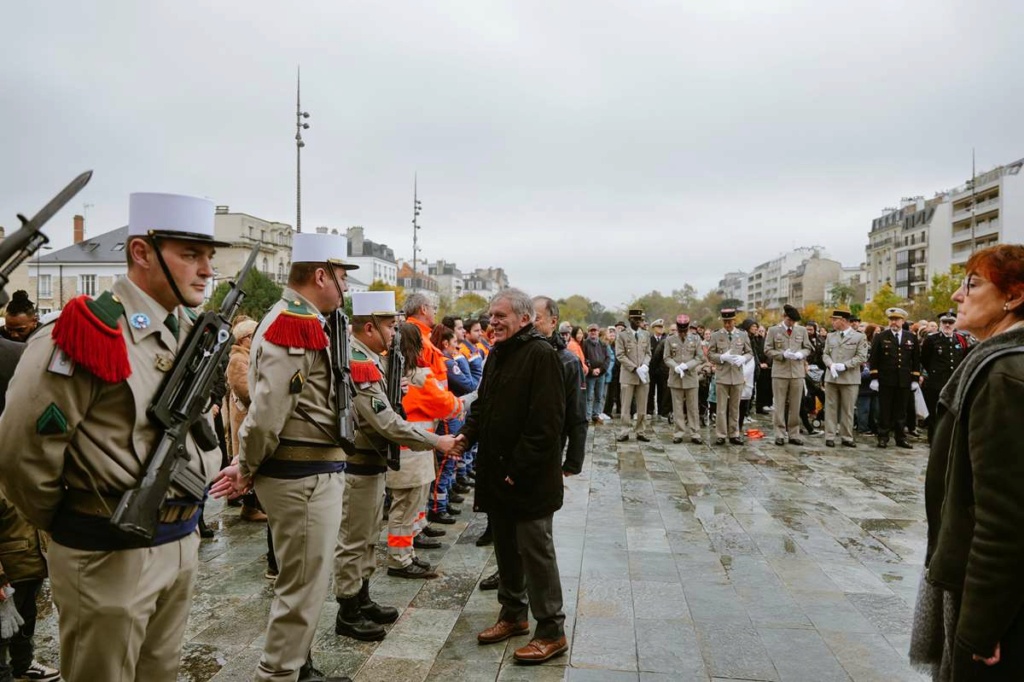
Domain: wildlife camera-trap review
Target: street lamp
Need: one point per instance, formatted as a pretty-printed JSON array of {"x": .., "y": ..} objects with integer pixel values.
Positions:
[
  {"x": 416, "y": 206},
  {"x": 300, "y": 125}
]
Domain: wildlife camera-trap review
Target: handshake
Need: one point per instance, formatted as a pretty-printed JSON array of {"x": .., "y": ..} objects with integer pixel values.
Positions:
[
  {"x": 732, "y": 359},
  {"x": 794, "y": 354},
  {"x": 454, "y": 446}
]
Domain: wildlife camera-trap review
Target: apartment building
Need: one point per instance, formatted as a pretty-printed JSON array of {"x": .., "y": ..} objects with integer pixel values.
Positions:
[{"x": 768, "y": 284}]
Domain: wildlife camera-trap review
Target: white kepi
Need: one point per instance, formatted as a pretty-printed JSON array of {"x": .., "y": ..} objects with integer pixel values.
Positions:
[
  {"x": 375, "y": 303},
  {"x": 314, "y": 247},
  {"x": 171, "y": 216}
]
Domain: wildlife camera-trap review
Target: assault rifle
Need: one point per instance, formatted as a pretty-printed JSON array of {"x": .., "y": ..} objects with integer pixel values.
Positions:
[
  {"x": 396, "y": 368},
  {"x": 27, "y": 240},
  {"x": 337, "y": 329},
  {"x": 177, "y": 408}
]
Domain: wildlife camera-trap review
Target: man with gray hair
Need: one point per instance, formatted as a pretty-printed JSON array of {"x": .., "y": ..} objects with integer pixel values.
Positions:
[{"x": 517, "y": 421}]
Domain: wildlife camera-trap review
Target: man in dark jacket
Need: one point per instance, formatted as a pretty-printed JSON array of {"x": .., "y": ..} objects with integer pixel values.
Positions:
[
  {"x": 895, "y": 361},
  {"x": 518, "y": 422},
  {"x": 596, "y": 354}
]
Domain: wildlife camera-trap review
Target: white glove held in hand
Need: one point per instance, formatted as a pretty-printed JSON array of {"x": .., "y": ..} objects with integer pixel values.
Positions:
[
  {"x": 680, "y": 370},
  {"x": 738, "y": 360},
  {"x": 838, "y": 367},
  {"x": 644, "y": 373},
  {"x": 10, "y": 620},
  {"x": 834, "y": 371},
  {"x": 874, "y": 385}
]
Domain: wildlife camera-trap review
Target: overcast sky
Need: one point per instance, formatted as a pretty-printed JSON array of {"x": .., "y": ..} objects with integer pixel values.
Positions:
[{"x": 593, "y": 147}]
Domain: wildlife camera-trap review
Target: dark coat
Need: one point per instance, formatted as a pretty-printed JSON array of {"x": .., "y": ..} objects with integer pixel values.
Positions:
[
  {"x": 596, "y": 354},
  {"x": 892, "y": 366},
  {"x": 517, "y": 420},
  {"x": 574, "y": 428},
  {"x": 973, "y": 491}
]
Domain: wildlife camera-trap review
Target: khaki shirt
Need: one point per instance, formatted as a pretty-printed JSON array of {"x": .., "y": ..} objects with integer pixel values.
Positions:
[
  {"x": 281, "y": 381},
  {"x": 851, "y": 350},
  {"x": 777, "y": 341},
  {"x": 632, "y": 352},
  {"x": 108, "y": 438},
  {"x": 688, "y": 351},
  {"x": 725, "y": 373},
  {"x": 377, "y": 423}
]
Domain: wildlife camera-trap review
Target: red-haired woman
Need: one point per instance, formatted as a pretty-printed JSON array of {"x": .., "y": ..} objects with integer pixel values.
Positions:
[{"x": 970, "y": 620}]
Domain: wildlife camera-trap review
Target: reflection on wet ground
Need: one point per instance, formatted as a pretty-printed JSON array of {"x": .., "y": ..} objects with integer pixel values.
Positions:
[{"x": 678, "y": 562}]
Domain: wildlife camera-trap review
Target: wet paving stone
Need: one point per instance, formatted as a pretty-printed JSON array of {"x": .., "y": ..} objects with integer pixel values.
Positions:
[{"x": 678, "y": 562}]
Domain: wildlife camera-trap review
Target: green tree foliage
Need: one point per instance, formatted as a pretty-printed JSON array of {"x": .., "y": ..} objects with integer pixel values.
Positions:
[
  {"x": 885, "y": 298},
  {"x": 841, "y": 294},
  {"x": 469, "y": 304},
  {"x": 575, "y": 309},
  {"x": 380, "y": 285},
  {"x": 940, "y": 293},
  {"x": 260, "y": 293}
]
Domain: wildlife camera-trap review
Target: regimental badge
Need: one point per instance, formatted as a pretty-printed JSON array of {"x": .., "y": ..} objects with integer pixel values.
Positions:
[
  {"x": 164, "y": 362},
  {"x": 378, "y": 405},
  {"x": 296, "y": 383},
  {"x": 139, "y": 321},
  {"x": 52, "y": 421},
  {"x": 60, "y": 363}
]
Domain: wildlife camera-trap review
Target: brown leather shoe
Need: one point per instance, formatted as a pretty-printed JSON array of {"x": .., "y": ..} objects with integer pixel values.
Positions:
[
  {"x": 540, "y": 650},
  {"x": 252, "y": 514},
  {"x": 502, "y": 630}
]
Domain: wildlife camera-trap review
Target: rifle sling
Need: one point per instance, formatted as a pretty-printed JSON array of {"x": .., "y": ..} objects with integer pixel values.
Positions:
[{"x": 320, "y": 427}]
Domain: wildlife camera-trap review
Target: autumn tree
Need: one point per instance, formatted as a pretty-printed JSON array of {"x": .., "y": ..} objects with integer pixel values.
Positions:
[
  {"x": 940, "y": 293},
  {"x": 381, "y": 285},
  {"x": 841, "y": 294},
  {"x": 874, "y": 310},
  {"x": 469, "y": 304}
]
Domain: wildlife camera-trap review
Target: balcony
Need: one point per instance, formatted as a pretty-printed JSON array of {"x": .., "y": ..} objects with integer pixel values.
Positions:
[{"x": 983, "y": 208}]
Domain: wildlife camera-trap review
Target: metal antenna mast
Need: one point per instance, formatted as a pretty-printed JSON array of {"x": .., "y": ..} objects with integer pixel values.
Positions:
[
  {"x": 416, "y": 206},
  {"x": 300, "y": 125}
]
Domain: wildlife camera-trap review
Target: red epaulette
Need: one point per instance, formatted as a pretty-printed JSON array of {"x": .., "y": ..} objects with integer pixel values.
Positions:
[
  {"x": 296, "y": 327},
  {"x": 364, "y": 371},
  {"x": 89, "y": 332}
]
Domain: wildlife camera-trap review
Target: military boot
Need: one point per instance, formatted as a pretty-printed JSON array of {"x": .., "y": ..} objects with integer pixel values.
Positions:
[
  {"x": 309, "y": 673},
  {"x": 382, "y": 615},
  {"x": 351, "y": 621}
]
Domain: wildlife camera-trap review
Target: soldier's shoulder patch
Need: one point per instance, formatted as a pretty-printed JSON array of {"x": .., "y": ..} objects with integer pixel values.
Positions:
[
  {"x": 52, "y": 421},
  {"x": 378, "y": 405},
  {"x": 297, "y": 327},
  {"x": 61, "y": 363},
  {"x": 296, "y": 383},
  {"x": 359, "y": 355},
  {"x": 89, "y": 333}
]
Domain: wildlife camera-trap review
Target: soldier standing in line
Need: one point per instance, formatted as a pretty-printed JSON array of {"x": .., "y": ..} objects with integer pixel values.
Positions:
[
  {"x": 633, "y": 355},
  {"x": 788, "y": 344},
  {"x": 291, "y": 449},
  {"x": 846, "y": 349},
  {"x": 728, "y": 349},
  {"x": 941, "y": 353},
  {"x": 684, "y": 353},
  {"x": 75, "y": 436},
  {"x": 895, "y": 361},
  {"x": 373, "y": 330}
]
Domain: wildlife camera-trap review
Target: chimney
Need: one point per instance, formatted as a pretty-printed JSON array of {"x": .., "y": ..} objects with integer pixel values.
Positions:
[
  {"x": 79, "y": 229},
  {"x": 355, "y": 238}
]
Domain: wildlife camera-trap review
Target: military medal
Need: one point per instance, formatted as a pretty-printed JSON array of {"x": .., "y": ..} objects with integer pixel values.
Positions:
[
  {"x": 164, "y": 363},
  {"x": 139, "y": 321}
]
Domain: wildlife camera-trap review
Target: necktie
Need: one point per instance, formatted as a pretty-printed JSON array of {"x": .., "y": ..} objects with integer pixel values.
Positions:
[
  {"x": 730, "y": 336},
  {"x": 171, "y": 322},
  {"x": 898, "y": 339},
  {"x": 636, "y": 336},
  {"x": 789, "y": 331}
]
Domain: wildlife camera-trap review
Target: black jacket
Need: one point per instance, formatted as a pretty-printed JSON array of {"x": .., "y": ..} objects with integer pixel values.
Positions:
[
  {"x": 596, "y": 354},
  {"x": 892, "y": 366},
  {"x": 574, "y": 430},
  {"x": 518, "y": 420}
]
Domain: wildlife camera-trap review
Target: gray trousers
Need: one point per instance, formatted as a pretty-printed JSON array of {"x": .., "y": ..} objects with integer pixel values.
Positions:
[
  {"x": 527, "y": 567},
  {"x": 786, "y": 416},
  {"x": 684, "y": 412},
  {"x": 362, "y": 514},
  {"x": 628, "y": 393},
  {"x": 727, "y": 410},
  {"x": 840, "y": 399}
]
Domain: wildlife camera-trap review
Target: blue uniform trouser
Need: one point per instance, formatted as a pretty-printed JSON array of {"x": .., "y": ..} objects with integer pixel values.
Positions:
[{"x": 444, "y": 479}]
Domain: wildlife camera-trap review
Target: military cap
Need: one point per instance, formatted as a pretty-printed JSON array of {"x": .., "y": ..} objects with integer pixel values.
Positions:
[
  {"x": 377, "y": 303},
  {"x": 658, "y": 323},
  {"x": 172, "y": 216},
  {"x": 949, "y": 315},
  {"x": 636, "y": 313},
  {"x": 843, "y": 313},
  {"x": 315, "y": 247},
  {"x": 728, "y": 313},
  {"x": 791, "y": 312},
  {"x": 896, "y": 312}
]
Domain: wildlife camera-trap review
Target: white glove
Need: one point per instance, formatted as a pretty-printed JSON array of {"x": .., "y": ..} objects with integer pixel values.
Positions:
[
  {"x": 10, "y": 620},
  {"x": 680, "y": 370},
  {"x": 874, "y": 385},
  {"x": 834, "y": 370},
  {"x": 644, "y": 373},
  {"x": 790, "y": 355},
  {"x": 727, "y": 357},
  {"x": 839, "y": 367},
  {"x": 738, "y": 360},
  {"x": 915, "y": 387}
]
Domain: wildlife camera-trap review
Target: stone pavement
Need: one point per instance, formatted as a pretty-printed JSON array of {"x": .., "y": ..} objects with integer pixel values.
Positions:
[{"x": 678, "y": 562}]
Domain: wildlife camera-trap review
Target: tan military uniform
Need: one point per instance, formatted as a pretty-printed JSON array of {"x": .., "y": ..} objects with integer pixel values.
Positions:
[
  {"x": 633, "y": 350},
  {"x": 296, "y": 467},
  {"x": 70, "y": 445},
  {"x": 729, "y": 379},
  {"x": 689, "y": 352},
  {"x": 787, "y": 376},
  {"x": 376, "y": 424},
  {"x": 849, "y": 348}
]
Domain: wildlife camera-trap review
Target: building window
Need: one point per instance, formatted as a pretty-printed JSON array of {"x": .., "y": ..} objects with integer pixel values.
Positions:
[
  {"x": 263, "y": 235},
  {"x": 45, "y": 286},
  {"x": 280, "y": 271},
  {"x": 87, "y": 285},
  {"x": 266, "y": 267}
]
